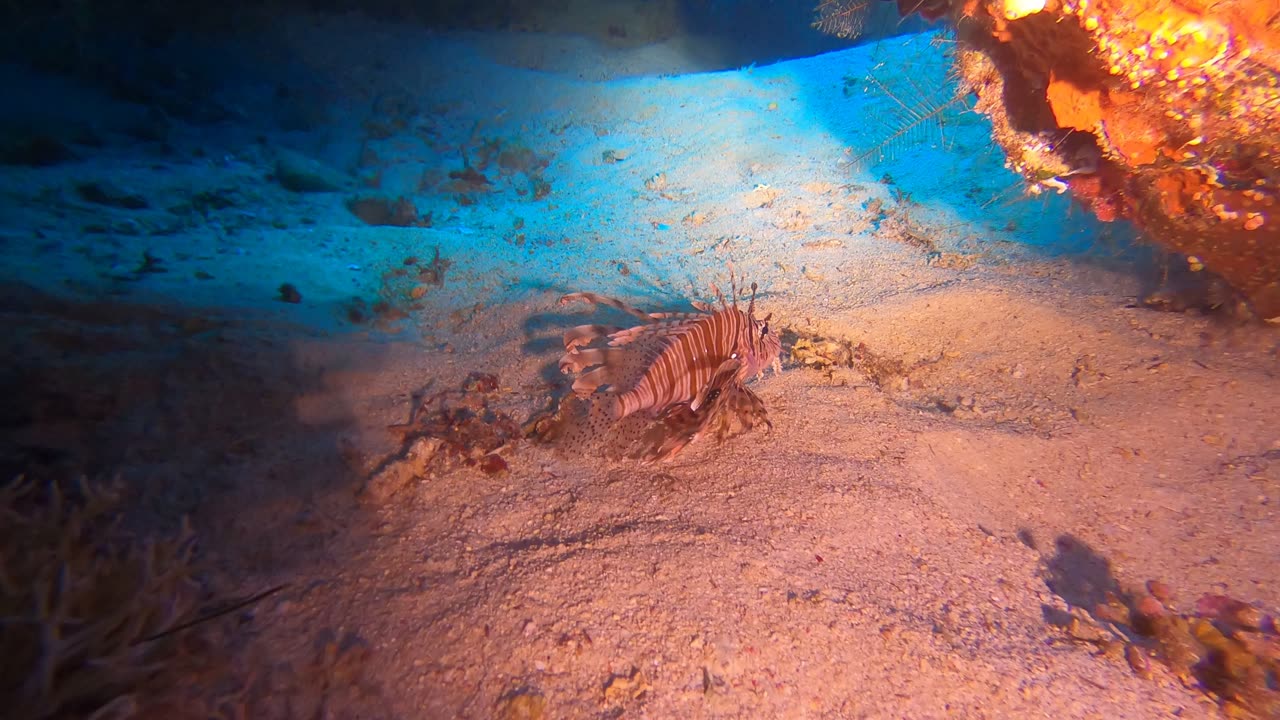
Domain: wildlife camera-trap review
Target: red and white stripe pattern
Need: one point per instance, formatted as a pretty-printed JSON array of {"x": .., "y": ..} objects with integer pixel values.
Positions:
[{"x": 673, "y": 359}]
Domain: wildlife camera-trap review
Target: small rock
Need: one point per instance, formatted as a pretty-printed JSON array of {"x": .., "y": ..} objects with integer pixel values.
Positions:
[
  {"x": 522, "y": 705},
  {"x": 492, "y": 464},
  {"x": 1230, "y": 610},
  {"x": 1151, "y": 607},
  {"x": 396, "y": 476},
  {"x": 379, "y": 211},
  {"x": 35, "y": 150},
  {"x": 1138, "y": 661},
  {"x": 298, "y": 173},
  {"x": 620, "y": 688},
  {"x": 289, "y": 293},
  {"x": 1086, "y": 631},
  {"x": 610, "y": 157},
  {"x": 1112, "y": 611},
  {"x": 104, "y": 193},
  {"x": 1159, "y": 591}
]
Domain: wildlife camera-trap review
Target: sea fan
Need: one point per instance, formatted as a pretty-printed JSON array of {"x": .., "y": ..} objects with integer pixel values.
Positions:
[
  {"x": 915, "y": 98},
  {"x": 842, "y": 18}
]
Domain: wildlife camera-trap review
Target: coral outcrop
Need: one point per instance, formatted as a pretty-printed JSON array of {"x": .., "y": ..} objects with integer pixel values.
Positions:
[{"x": 1162, "y": 112}]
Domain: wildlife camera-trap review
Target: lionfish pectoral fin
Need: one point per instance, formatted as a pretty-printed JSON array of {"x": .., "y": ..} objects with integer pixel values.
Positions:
[
  {"x": 592, "y": 380},
  {"x": 675, "y": 428},
  {"x": 580, "y": 359},
  {"x": 573, "y": 361},
  {"x": 587, "y": 334},
  {"x": 595, "y": 299},
  {"x": 751, "y": 411},
  {"x": 720, "y": 379}
]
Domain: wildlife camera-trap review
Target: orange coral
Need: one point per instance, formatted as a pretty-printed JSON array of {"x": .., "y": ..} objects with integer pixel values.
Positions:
[
  {"x": 1132, "y": 135},
  {"x": 1166, "y": 113},
  {"x": 1074, "y": 107}
]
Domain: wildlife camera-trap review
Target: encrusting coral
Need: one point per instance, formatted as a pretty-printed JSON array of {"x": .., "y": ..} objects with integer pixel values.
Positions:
[{"x": 1227, "y": 647}]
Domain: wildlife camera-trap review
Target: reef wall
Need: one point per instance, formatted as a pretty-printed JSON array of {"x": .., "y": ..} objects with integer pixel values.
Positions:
[{"x": 1162, "y": 112}]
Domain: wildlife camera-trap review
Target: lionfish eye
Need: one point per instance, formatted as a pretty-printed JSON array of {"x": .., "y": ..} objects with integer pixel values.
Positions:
[{"x": 764, "y": 330}]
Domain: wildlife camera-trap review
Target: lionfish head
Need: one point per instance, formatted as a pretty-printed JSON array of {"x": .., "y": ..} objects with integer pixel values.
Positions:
[{"x": 762, "y": 346}]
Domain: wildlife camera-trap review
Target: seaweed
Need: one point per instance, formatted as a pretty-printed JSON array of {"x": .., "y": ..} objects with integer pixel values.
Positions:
[
  {"x": 87, "y": 612},
  {"x": 919, "y": 114},
  {"x": 470, "y": 428},
  {"x": 445, "y": 430}
]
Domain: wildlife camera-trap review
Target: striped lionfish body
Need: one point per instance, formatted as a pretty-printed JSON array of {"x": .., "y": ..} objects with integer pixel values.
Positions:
[{"x": 686, "y": 370}]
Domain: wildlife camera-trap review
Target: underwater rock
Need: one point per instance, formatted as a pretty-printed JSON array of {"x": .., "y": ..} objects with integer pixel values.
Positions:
[
  {"x": 298, "y": 173},
  {"x": 400, "y": 212},
  {"x": 34, "y": 150},
  {"x": 101, "y": 192},
  {"x": 1163, "y": 113},
  {"x": 288, "y": 292},
  {"x": 399, "y": 474},
  {"x": 522, "y": 704}
]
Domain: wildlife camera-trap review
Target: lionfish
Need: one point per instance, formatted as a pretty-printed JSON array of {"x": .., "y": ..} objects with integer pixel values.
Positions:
[{"x": 659, "y": 386}]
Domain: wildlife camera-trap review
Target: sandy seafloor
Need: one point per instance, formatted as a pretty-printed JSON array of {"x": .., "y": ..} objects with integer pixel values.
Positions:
[{"x": 896, "y": 546}]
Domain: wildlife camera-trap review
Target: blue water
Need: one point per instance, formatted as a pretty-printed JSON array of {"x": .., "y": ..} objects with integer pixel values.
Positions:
[{"x": 149, "y": 171}]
